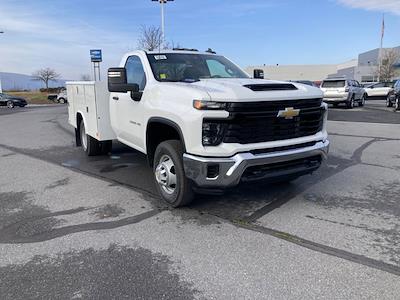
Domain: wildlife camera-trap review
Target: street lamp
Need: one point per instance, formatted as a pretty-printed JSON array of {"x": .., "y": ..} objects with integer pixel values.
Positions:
[{"x": 162, "y": 2}]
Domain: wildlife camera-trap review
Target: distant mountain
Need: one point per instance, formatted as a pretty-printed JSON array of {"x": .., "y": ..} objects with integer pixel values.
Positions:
[{"x": 14, "y": 81}]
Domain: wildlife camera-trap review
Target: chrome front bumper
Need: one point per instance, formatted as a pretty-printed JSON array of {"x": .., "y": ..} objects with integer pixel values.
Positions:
[{"x": 231, "y": 169}]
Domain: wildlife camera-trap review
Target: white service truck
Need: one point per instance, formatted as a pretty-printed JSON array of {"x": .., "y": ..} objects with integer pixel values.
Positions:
[{"x": 203, "y": 123}]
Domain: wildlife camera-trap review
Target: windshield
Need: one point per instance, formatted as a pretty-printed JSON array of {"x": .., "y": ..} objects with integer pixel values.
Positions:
[
  {"x": 333, "y": 84},
  {"x": 192, "y": 67}
]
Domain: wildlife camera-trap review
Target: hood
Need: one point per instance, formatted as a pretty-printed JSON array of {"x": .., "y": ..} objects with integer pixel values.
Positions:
[{"x": 243, "y": 89}]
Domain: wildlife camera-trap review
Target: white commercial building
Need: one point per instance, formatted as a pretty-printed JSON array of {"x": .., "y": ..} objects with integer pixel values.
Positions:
[{"x": 363, "y": 69}]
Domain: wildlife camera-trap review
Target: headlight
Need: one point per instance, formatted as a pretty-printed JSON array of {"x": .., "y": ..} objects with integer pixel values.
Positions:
[
  {"x": 213, "y": 133},
  {"x": 209, "y": 105}
]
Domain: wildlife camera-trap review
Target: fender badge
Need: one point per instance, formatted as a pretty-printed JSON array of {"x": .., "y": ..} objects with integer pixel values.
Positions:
[{"x": 288, "y": 113}]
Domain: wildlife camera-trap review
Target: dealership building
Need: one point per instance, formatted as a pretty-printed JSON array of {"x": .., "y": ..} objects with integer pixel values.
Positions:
[{"x": 363, "y": 69}]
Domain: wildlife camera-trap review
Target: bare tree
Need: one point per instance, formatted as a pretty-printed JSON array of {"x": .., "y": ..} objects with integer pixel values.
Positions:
[
  {"x": 150, "y": 38},
  {"x": 46, "y": 75},
  {"x": 85, "y": 77},
  {"x": 388, "y": 67}
]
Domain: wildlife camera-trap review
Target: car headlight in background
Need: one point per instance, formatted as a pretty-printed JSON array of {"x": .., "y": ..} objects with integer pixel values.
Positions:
[
  {"x": 209, "y": 105},
  {"x": 213, "y": 133}
]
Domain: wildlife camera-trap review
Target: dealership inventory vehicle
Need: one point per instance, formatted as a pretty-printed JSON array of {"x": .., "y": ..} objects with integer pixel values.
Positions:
[
  {"x": 341, "y": 90},
  {"x": 203, "y": 123},
  {"x": 378, "y": 90},
  {"x": 11, "y": 101}
]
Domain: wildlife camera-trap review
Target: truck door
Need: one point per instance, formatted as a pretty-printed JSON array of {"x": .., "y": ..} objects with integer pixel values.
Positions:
[{"x": 129, "y": 107}]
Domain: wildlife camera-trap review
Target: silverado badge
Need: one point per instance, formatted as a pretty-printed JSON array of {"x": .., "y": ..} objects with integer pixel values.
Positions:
[{"x": 288, "y": 113}]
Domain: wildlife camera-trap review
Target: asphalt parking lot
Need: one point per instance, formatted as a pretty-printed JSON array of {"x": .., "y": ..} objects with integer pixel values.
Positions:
[{"x": 79, "y": 227}]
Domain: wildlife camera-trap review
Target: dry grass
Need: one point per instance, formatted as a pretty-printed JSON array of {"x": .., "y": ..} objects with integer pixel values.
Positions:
[{"x": 33, "y": 97}]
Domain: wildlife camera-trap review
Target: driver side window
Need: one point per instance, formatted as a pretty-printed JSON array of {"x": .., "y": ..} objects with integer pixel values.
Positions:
[{"x": 135, "y": 72}]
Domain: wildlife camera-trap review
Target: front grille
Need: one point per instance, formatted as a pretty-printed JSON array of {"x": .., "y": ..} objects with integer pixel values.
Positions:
[{"x": 257, "y": 122}]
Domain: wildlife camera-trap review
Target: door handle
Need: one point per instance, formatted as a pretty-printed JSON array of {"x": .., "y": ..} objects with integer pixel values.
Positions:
[{"x": 115, "y": 98}]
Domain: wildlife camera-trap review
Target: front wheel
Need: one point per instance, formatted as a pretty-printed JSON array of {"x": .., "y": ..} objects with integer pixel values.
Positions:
[
  {"x": 362, "y": 101},
  {"x": 10, "y": 104},
  {"x": 388, "y": 102},
  {"x": 172, "y": 184},
  {"x": 397, "y": 104},
  {"x": 61, "y": 100}
]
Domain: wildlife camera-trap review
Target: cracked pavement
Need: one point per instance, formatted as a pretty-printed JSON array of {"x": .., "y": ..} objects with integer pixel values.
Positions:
[{"x": 73, "y": 227}]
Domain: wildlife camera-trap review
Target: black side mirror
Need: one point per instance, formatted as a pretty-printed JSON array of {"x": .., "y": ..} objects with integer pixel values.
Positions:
[
  {"x": 117, "y": 81},
  {"x": 258, "y": 74}
]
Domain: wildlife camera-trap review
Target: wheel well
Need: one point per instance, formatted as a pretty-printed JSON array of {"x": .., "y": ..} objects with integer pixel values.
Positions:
[
  {"x": 158, "y": 132},
  {"x": 79, "y": 119}
]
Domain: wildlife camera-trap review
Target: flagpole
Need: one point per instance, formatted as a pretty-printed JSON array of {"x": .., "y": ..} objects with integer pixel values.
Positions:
[{"x": 380, "y": 49}]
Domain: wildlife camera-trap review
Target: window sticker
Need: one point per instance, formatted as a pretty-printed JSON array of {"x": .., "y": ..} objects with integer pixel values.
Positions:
[
  {"x": 160, "y": 57},
  {"x": 163, "y": 76}
]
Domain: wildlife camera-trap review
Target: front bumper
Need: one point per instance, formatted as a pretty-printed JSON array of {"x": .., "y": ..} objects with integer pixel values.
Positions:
[{"x": 248, "y": 166}]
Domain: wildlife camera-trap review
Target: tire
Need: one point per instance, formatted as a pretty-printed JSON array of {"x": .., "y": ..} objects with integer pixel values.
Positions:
[
  {"x": 335, "y": 105},
  {"x": 388, "y": 102},
  {"x": 350, "y": 103},
  {"x": 10, "y": 104},
  {"x": 397, "y": 104},
  {"x": 172, "y": 184},
  {"x": 89, "y": 144},
  {"x": 61, "y": 100},
  {"x": 362, "y": 101}
]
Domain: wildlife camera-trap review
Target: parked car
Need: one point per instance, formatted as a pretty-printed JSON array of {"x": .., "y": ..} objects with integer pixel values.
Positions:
[
  {"x": 393, "y": 98},
  {"x": 61, "y": 97},
  {"x": 11, "y": 101},
  {"x": 378, "y": 90},
  {"x": 341, "y": 90},
  {"x": 203, "y": 123}
]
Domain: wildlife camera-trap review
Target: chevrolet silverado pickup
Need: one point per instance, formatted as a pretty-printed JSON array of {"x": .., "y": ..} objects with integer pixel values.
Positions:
[{"x": 203, "y": 123}]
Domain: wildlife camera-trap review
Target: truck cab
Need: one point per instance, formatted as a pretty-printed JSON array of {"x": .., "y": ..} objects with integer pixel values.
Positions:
[{"x": 204, "y": 124}]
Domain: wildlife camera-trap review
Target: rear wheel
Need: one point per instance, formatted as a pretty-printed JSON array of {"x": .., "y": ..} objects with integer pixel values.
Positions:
[
  {"x": 174, "y": 187},
  {"x": 89, "y": 144},
  {"x": 350, "y": 103},
  {"x": 397, "y": 104},
  {"x": 10, "y": 104},
  {"x": 61, "y": 100}
]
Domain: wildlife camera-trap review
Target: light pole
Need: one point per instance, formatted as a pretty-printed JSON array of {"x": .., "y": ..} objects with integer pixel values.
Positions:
[
  {"x": 1, "y": 88},
  {"x": 162, "y": 2}
]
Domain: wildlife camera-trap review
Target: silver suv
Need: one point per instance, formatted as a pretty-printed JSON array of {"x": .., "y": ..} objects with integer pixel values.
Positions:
[{"x": 341, "y": 90}]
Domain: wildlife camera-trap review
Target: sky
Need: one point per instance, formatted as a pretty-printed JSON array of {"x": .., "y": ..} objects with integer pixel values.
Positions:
[{"x": 59, "y": 34}]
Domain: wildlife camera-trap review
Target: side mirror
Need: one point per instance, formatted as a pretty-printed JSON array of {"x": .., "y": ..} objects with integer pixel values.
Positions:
[
  {"x": 117, "y": 81},
  {"x": 258, "y": 74}
]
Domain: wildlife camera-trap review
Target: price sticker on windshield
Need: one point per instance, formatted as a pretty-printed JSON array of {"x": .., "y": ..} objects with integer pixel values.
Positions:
[{"x": 160, "y": 57}]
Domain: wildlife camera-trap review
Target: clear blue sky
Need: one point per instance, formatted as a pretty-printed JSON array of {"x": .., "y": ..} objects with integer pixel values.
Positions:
[{"x": 60, "y": 33}]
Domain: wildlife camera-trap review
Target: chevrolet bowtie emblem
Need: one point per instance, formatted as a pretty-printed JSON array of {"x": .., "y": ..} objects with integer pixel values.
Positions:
[{"x": 288, "y": 113}]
